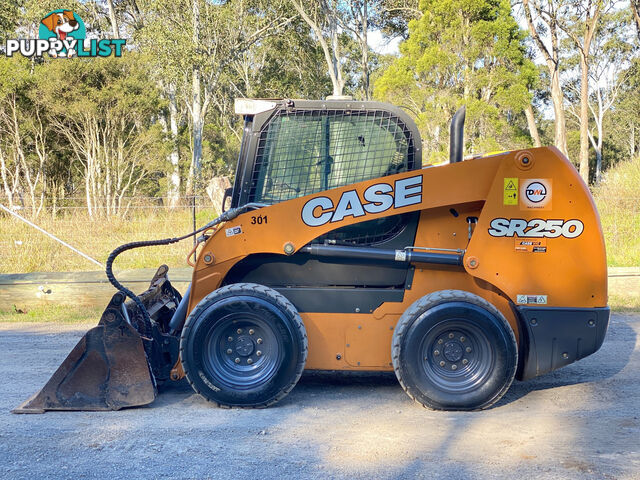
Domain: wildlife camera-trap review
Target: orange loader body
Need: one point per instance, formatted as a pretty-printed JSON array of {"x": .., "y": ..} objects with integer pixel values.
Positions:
[
  {"x": 494, "y": 267},
  {"x": 341, "y": 252}
]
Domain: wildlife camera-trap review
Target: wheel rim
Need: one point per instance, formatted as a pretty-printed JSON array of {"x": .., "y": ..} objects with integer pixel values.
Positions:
[
  {"x": 242, "y": 351},
  {"x": 457, "y": 357}
]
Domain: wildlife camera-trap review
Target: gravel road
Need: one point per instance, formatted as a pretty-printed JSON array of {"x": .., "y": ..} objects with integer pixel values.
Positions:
[{"x": 579, "y": 422}]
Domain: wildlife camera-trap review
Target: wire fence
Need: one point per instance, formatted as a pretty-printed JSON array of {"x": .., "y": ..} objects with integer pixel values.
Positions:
[
  {"x": 118, "y": 206},
  {"x": 31, "y": 248},
  {"x": 25, "y": 249}
]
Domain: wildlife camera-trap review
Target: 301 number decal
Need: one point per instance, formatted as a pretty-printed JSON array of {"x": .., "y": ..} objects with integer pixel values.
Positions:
[
  {"x": 536, "y": 228},
  {"x": 258, "y": 220}
]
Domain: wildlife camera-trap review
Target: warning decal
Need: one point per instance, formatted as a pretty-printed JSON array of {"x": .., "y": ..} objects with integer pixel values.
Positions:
[
  {"x": 532, "y": 299},
  {"x": 510, "y": 191},
  {"x": 234, "y": 231}
]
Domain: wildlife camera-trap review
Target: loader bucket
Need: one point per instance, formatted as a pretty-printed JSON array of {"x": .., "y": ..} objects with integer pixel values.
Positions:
[
  {"x": 106, "y": 370},
  {"x": 109, "y": 369}
]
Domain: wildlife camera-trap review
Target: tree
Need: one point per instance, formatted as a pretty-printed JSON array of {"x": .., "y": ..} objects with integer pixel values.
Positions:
[
  {"x": 610, "y": 50},
  {"x": 106, "y": 117},
  {"x": 393, "y": 16},
  {"x": 167, "y": 79},
  {"x": 579, "y": 20},
  {"x": 542, "y": 20},
  {"x": 531, "y": 76},
  {"x": 356, "y": 19},
  {"x": 324, "y": 19},
  {"x": 211, "y": 37},
  {"x": 9, "y": 16},
  {"x": 461, "y": 52},
  {"x": 624, "y": 120},
  {"x": 23, "y": 138},
  {"x": 169, "y": 120},
  {"x": 289, "y": 65},
  {"x": 115, "y": 30},
  {"x": 635, "y": 8}
]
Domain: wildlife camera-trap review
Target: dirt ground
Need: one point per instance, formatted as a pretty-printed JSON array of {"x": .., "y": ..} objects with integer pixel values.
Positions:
[{"x": 582, "y": 421}]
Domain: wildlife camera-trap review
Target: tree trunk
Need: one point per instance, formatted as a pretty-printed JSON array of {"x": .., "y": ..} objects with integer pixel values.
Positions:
[
  {"x": 5, "y": 183},
  {"x": 194, "y": 170},
  {"x": 365, "y": 50},
  {"x": 174, "y": 157},
  {"x": 635, "y": 7},
  {"x": 338, "y": 85},
  {"x": 331, "y": 55},
  {"x": 599, "y": 152},
  {"x": 552, "y": 60},
  {"x": 560, "y": 122},
  {"x": 533, "y": 128},
  {"x": 584, "y": 119},
  {"x": 584, "y": 47},
  {"x": 114, "y": 20},
  {"x": 598, "y": 118},
  {"x": 196, "y": 110},
  {"x": 597, "y": 147},
  {"x": 196, "y": 133},
  {"x": 598, "y": 163},
  {"x": 365, "y": 69},
  {"x": 87, "y": 190}
]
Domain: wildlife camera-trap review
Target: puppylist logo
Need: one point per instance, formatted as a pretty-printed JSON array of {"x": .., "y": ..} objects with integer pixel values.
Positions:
[{"x": 62, "y": 34}]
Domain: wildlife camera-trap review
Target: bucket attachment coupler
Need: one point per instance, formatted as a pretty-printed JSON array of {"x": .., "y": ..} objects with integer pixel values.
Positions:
[{"x": 108, "y": 369}]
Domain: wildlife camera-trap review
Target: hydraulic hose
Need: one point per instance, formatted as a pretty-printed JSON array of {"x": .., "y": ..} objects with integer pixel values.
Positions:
[{"x": 147, "y": 333}]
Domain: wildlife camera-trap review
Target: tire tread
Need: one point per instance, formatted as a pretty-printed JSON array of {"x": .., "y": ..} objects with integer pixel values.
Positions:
[
  {"x": 240, "y": 288},
  {"x": 427, "y": 302}
]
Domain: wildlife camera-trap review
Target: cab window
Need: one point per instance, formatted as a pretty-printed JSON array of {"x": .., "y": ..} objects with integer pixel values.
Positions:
[{"x": 308, "y": 151}]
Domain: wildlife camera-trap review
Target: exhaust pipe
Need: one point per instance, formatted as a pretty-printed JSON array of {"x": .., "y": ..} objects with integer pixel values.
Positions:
[{"x": 456, "y": 136}]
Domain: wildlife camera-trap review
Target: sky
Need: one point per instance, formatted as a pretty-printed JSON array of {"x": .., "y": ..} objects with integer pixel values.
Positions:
[{"x": 382, "y": 45}]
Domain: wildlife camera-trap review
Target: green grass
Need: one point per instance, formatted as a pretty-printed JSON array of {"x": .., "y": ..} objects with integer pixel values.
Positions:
[{"x": 53, "y": 313}]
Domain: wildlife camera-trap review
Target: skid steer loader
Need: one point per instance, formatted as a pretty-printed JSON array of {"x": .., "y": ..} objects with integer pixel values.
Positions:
[{"x": 341, "y": 252}]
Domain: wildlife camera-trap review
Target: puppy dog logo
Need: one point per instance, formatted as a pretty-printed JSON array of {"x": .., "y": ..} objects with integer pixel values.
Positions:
[
  {"x": 64, "y": 26},
  {"x": 62, "y": 34}
]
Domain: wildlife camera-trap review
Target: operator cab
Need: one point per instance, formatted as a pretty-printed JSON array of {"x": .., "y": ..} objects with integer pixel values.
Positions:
[{"x": 293, "y": 148}]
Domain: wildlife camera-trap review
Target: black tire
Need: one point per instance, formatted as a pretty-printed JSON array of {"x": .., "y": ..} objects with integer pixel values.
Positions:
[
  {"x": 244, "y": 345},
  {"x": 453, "y": 350}
]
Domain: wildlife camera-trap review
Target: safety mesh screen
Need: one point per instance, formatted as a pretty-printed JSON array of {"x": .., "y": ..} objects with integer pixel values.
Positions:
[{"x": 301, "y": 152}]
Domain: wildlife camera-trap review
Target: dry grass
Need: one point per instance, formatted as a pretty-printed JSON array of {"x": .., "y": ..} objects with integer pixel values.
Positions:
[
  {"x": 618, "y": 200},
  {"x": 623, "y": 302},
  {"x": 54, "y": 314},
  {"x": 24, "y": 249},
  {"x": 27, "y": 250}
]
